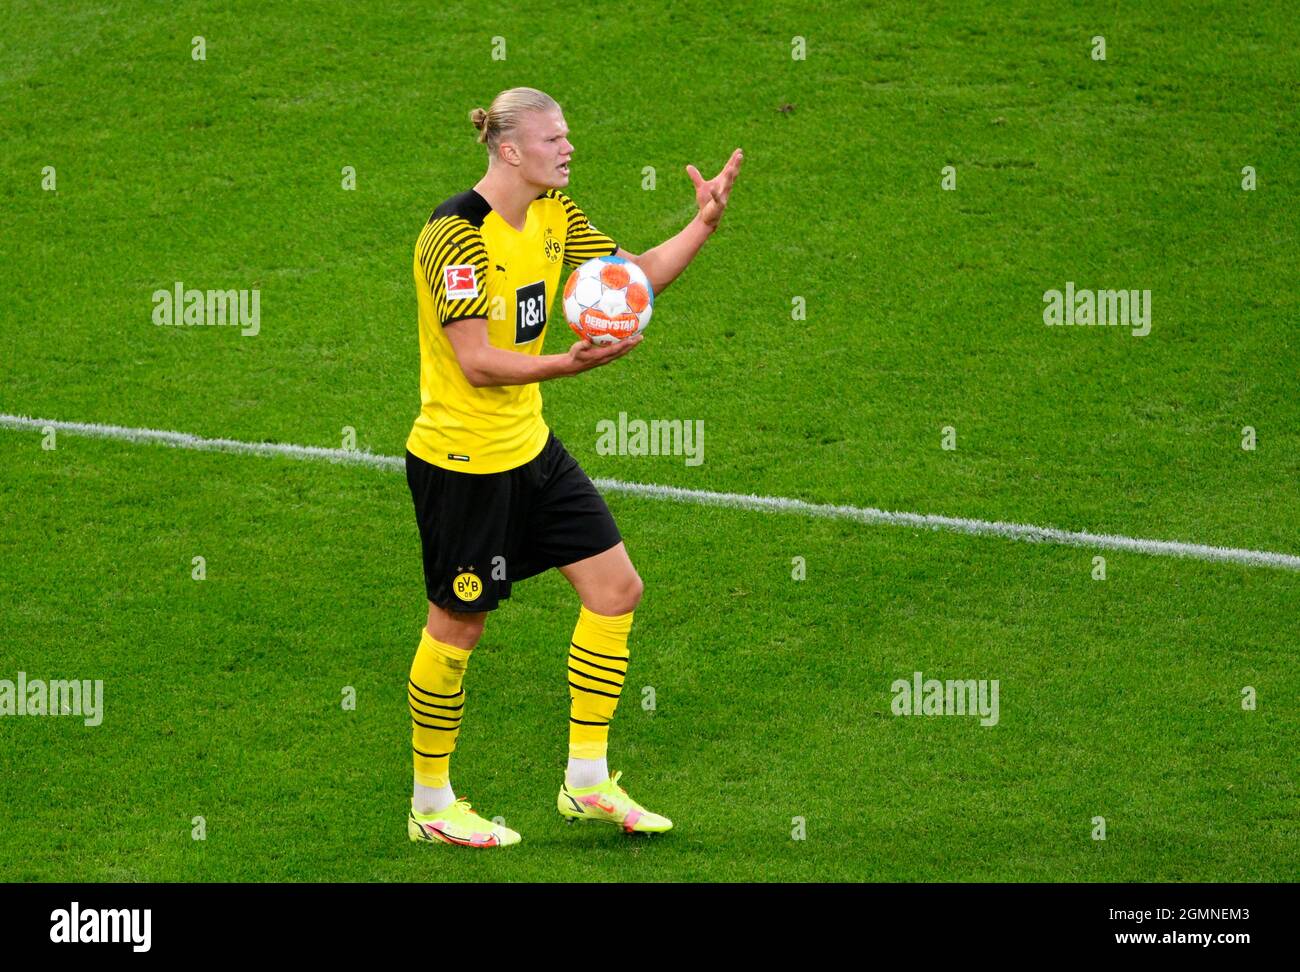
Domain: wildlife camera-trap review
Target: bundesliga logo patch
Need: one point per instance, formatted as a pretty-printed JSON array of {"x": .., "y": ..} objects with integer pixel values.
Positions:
[{"x": 460, "y": 282}]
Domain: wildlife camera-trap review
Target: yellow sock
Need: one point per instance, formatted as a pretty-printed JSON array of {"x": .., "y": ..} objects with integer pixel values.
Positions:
[
  {"x": 597, "y": 666},
  {"x": 437, "y": 701}
]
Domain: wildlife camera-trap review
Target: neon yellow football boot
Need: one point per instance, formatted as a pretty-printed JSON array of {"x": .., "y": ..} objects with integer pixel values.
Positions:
[
  {"x": 610, "y": 803},
  {"x": 458, "y": 825}
]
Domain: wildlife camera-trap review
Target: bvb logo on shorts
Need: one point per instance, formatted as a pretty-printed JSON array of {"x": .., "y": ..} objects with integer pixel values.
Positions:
[{"x": 467, "y": 586}]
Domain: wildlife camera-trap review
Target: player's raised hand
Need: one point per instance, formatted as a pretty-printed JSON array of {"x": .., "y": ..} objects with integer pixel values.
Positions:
[
  {"x": 586, "y": 355},
  {"x": 712, "y": 195}
]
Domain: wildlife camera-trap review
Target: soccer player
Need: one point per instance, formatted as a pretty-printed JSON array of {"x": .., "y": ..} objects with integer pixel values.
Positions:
[{"x": 497, "y": 497}]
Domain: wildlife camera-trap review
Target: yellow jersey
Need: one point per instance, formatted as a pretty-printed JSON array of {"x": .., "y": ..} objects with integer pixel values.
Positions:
[{"x": 469, "y": 262}]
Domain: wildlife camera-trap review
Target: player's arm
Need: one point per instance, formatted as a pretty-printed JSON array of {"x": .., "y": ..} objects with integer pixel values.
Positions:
[
  {"x": 665, "y": 262},
  {"x": 453, "y": 259},
  {"x": 487, "y": 366}
]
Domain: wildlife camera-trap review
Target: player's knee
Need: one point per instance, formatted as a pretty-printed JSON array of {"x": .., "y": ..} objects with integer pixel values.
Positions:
[
  {"x": 463, "y": 636},
  {"x": 624, "y": 598},
  {"x": 456, "y": 629}
]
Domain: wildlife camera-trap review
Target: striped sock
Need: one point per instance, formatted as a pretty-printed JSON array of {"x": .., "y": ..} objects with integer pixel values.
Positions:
[
  {"x": 597, "y": 666},
  {"x": 437, "y": 701}
]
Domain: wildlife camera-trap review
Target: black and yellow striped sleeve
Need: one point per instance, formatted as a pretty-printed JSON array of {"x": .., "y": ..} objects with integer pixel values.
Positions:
[
  {"x": 582, "y": 241},
  {"x": 454, "y": 259}
]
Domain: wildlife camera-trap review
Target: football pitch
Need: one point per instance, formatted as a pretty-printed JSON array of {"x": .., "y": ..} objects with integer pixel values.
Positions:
[{"x": 868, "y": 329}]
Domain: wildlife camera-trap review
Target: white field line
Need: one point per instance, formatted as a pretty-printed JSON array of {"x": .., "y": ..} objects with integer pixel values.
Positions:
[{"x": 700, "y": 497}]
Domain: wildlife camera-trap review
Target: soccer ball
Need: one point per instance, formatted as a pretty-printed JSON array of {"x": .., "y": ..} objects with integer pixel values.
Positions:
[{"x": 608, "y": 299}]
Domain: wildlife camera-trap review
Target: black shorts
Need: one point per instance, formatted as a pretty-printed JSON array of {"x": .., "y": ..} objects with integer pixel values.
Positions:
[{"x": 481, "y": 532}]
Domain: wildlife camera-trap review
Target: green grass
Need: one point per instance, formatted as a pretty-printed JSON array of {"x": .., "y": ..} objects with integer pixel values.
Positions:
[{"x": 1119, "y": 698}]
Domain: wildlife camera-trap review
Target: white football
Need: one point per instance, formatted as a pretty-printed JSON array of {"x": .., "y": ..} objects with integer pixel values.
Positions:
[{"x": 608, "y": 299}]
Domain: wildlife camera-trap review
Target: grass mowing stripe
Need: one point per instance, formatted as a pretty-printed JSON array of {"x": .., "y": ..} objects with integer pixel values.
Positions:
[{"x": 769, "y": 504}]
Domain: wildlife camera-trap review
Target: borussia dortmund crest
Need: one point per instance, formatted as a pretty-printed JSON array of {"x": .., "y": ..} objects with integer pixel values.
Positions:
[
  {"x": 467, "y": 586},
  {"x": 551, "y": 246}
]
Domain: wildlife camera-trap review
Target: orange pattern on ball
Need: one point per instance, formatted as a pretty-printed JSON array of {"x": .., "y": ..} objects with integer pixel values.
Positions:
[
  {"x": 637, "y": 297},
  {"x": 596, "y": 323},
  {"x": 613, "y": 276}
]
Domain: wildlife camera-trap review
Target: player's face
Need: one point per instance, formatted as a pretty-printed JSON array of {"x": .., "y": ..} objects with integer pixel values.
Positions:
[{"x": 545, "y": 149}]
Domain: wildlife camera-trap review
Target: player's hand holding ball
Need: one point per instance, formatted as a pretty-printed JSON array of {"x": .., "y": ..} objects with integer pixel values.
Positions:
[{"x": 586, "y": 355}]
